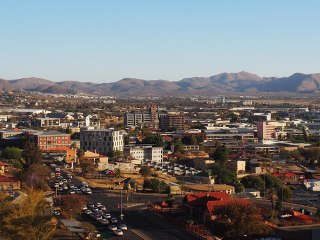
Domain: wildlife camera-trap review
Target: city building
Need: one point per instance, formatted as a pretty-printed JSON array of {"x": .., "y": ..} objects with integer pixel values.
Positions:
[
  {"x": 51, "y": 141},
  {"x": 101, "y": 141},
  {"x": 265, "y": 131},
  {"x": 47, "y": 122},
  {"x": 144, "y": 153},
  {"x": 143, "y": 119},
  {"x": 171, "y": 121}
]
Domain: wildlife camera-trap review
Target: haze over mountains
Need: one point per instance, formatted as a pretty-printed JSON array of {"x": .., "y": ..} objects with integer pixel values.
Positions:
[{"x": 224, "y": 83}]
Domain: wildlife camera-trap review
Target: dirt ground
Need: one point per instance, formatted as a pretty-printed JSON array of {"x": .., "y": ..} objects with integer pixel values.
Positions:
[{"x": 112, "y": 182}]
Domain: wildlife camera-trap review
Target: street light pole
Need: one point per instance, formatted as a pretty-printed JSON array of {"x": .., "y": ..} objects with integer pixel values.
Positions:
[
  {"x": 121, "y": 215},
  {"x": 282, "y": 196}
]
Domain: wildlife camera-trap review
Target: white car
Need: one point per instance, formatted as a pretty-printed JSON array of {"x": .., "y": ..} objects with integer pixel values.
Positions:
[
  {"x": 102, "y": 207},
  {"x": 104, "y": 221},
  {"x": 98, "y": 204},
  {"x": 107, "y": 215},
  {"x": 118, "y": 232},
  {"x": 89, "y": 192},
  {"x": 72, "y": 191},
  {"x": 88, "y": 211},
  {"x": 84, "y": 207},
  {"x": 113, "y": 227},
  {"x": 114, "y": 220},
  {"x": 123, "y": 227}
]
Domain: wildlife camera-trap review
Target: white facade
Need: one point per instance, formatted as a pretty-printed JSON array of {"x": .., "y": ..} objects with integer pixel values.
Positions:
[
  {"x": 144, "y": 152},
  {"x": 101, "y": 141},
  {"x": 312, "y": 184}
]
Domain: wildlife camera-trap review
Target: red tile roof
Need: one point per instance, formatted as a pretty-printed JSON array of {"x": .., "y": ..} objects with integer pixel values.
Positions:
[
  {"x": 7, "y": 179},
  {"x": 201, "y": 199}
]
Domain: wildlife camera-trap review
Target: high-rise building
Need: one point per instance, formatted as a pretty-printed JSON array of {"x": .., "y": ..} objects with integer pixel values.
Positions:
[
  {"x": 154, "y": 116},
  {"x": 265, "y": 131},
  {"x": 143, "y": 119},
  {"x": 171, "y": 121}
]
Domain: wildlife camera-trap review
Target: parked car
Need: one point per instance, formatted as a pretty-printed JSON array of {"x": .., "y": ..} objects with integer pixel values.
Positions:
[
  {"x": 114, "y": 220},
  {"x": 123, "y": 227},
  {"x": 104, "y": 221},
  {"x": 102, "y": 207},
  {"x": 113, "y": 227},
  {"x": 88, "y": 211},
  {"x": 118, "y": 232},
  {"x": 98, "y": 204},
  {"x": 107, "y": 215}
]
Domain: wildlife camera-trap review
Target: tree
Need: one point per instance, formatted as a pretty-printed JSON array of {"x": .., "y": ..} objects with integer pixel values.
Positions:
[
  {"x": 31, "y": 154},
  {"x": 178, "y": 145},
  {"x": 235, "y": 220},
  {"x": 71, "y": 205},
  {"x": 87, "y": 166},
  {"x": 170, "y": 201},
  {"x": 12, "y": 153},
  {"x": 36, "y": 176},
  {"x": 253, "y": 181},
  {"x": 27, "y": 220},
  {"x": 221, "y": 154},
  {"x": 156, "y": 140},
  {"x": 223, "y": 175},
  {"x": 275, "y": 183},
  {"x": 155, "y": 185},
  {"x": 145, "y": 171},
  {"x": 190, "y": 140},
  {"x": 272, "y": 196}
]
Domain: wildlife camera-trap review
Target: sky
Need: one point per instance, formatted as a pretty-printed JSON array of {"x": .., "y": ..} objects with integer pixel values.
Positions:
[{"x": 107, "y": 40}]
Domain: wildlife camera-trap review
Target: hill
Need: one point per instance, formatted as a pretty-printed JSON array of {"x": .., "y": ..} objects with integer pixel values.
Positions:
[{"x": 222, "y": 83}]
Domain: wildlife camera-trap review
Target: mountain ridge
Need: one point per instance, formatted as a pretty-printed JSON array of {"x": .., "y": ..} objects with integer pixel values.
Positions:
[{"x": 222, "y": 83}]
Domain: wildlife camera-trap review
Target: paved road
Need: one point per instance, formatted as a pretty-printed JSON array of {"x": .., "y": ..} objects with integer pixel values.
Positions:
[{"x": 142, "y": 224}]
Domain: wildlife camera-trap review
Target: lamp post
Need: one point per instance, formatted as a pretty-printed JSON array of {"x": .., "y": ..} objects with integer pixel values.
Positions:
[
  {"x": 264, "y": 185},
  {"x": 121, "y": 215},
  {"x": 282, "y": 195}
]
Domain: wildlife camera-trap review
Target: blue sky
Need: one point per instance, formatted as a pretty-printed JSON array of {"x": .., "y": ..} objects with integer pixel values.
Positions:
[{"x": 105, "y": 41}]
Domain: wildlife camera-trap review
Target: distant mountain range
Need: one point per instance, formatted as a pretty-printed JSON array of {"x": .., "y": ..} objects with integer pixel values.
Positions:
[{"x": 224, "y": 83}]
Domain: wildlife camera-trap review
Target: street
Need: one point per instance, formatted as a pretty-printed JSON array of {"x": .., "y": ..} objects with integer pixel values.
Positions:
[{"x": 142, "y": 224}]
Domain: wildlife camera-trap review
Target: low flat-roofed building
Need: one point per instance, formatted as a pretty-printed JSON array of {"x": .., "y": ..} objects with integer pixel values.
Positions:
[{"x": 144, "y": 152}]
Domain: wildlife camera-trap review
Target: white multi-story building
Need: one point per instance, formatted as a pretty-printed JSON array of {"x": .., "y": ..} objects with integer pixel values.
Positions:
[
  {"x": 101, "y": 141},
  {"x": 144, "y": 153}
]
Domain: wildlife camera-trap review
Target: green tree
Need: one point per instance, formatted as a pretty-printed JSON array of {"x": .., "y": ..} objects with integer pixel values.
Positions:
[
  {"x": 170, "y": 201},
  {"x": 155, "y": 185},
  {"x": 253, "y": 181},
  {"x": 28, "y": 219},
  {"x": 178, "y": 145},
  {"x": 12, "y": 153},
  {"x": 223, "y": 175},
  {"x": 31, "y": 154},
  {"x": 235, "y": 220},
  {"x": 71, "y": 205},
  {"x": 221, "y": 154},
  {"x": 190, "y": 140},
  {"x": 145, "y": 171},
  {"x": 155, "y": 140}
]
